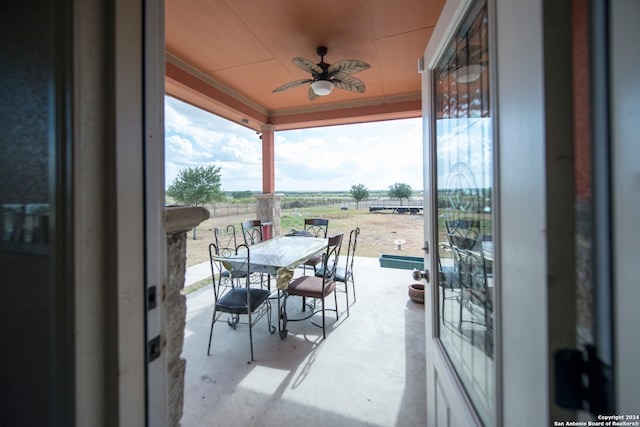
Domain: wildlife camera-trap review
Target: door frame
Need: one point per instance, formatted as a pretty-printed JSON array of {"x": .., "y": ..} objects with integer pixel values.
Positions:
[{"x": 157, "y": 380}]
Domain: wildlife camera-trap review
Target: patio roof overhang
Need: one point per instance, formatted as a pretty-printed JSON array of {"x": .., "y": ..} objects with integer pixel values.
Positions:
[{"x": 226, "y": 57}]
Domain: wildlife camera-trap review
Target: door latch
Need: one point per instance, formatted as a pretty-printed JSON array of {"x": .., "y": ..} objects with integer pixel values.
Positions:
[
  {"x": 419, "y": 275},
  {"x": 151, "y": 298},
  {"x": 153, "y": 349}
]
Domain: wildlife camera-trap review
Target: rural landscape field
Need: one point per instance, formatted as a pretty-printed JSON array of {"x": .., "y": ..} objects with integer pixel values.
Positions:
[{"x": 378, "y": 230}]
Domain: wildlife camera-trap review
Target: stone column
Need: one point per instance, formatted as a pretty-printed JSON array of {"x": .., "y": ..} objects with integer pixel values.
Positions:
[
  {"x": 178, "y": 221},
  {"x": 268, "y": 210}
]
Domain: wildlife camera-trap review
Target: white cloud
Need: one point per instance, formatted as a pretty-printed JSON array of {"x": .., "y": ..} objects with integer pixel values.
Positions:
[
  {"x": 320, "y": 159},
  {"x": 374, "y": 154},
  {"x": 182, "y": 150}
]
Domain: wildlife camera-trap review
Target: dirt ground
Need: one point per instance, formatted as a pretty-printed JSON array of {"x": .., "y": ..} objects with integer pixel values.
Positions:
[{"x": 378, "y": 231}]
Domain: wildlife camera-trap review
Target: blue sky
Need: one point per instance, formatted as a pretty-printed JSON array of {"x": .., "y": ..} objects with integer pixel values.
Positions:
[{"x": 320, "y": 159}]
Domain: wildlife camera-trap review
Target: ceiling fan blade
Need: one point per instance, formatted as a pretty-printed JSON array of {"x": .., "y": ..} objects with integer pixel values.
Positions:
[
  {"x": 349, "y": 83},
  {"x": 347, "y": 66},
  {"x": 312, "y": 94},
  {"x": 308, "y": 66},
  {"x": 292, "y": 85}
]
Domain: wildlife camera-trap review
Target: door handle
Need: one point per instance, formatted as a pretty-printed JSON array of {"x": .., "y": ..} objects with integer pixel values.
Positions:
[{"x": 419, "y": 275}]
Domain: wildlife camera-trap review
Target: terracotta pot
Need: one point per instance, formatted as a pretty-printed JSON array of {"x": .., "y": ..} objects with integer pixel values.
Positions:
[{"x": 416, "y": 293}]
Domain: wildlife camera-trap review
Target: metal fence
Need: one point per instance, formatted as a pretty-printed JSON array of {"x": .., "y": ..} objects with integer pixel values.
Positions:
[{"x": 230, "y": 209}]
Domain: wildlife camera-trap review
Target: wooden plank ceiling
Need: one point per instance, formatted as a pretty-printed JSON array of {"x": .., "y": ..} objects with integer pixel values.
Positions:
[{"x": 226, "y": 56}]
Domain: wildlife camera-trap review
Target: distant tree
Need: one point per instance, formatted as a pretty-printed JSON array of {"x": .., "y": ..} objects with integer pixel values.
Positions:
[
  {"x": 196, "y": 187},
  {"x": 359, "y": 192},
  {"x": 241, "y": 194},
  {"x": 400, "y": 191}
]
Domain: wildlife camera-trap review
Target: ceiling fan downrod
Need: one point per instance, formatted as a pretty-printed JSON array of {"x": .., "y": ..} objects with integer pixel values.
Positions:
[{"x": 321, "y": 51}]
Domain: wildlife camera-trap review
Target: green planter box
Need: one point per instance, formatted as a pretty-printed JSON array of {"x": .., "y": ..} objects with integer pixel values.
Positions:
[{"x": 403, "y": 262}]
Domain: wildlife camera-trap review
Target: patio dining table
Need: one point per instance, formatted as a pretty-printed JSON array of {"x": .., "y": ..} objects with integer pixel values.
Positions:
[{"x": 278, "y": 257}]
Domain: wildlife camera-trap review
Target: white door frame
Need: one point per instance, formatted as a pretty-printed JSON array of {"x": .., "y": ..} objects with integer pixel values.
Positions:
[{"x": 157, "y": 405}]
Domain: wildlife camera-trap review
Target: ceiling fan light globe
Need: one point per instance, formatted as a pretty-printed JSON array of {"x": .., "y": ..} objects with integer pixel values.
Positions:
[
  {"x": 468, "y": 73},
  {"x": 322, "y": 87}
]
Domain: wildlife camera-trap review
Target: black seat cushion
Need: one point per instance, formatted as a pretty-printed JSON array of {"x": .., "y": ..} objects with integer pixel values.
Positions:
[
  {"x": 310, "y": 286},
  {"x": 235, "y": 301},
  {"x": 341, "y": 273}
]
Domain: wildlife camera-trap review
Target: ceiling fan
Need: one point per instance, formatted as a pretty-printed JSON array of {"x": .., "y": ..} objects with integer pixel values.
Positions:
[{"x": 327, "y": 76}]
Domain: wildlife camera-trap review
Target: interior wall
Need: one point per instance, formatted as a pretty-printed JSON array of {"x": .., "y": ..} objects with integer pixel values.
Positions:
[
  {"x": 125, "y": 210},
  {"x": 109, "y": 213},
  {"x": 93, "y": 406}
]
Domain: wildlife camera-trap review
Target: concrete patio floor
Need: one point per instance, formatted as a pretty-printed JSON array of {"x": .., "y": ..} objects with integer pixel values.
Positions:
[{"x": 370, "y": 370}]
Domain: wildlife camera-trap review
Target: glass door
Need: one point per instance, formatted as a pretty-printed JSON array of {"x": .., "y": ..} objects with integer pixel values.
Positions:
[{"x": 464, "y": 171}]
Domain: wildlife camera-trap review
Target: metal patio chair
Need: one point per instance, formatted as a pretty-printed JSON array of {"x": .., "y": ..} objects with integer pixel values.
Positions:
[
  {"x": 316, "y": 227},
  {"x": 318, "y": 288},
  {"x": 344, "y": 275},
  {"x": 240, "y": 297},
  {"x": 252, "y": 231}
]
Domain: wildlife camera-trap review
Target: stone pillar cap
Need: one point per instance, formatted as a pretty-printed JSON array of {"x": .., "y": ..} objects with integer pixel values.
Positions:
[{"x": 183, "y": 218}]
